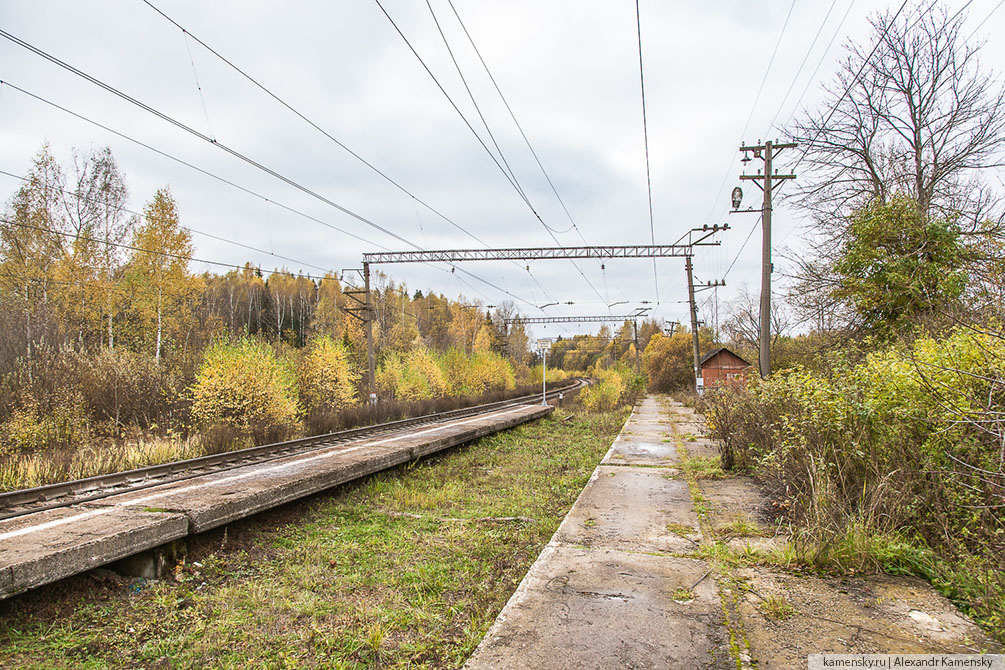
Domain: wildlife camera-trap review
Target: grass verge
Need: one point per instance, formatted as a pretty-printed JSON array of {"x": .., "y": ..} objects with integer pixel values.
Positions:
[{"x": 406, "y": 569}]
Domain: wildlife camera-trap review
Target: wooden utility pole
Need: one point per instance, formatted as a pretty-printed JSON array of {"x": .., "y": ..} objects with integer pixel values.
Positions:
[
  {"x": 369, "y": 313},
  {"x": 636, "y": 337},
  {"x": 765, "y": 182},
  {"x": 694, "y": 325}
]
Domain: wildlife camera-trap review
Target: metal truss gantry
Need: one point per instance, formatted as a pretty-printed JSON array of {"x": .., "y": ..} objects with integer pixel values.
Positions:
[
  {"x": 694, "y": 238},
  {"x": 682, "y": 248},
  {"x": 574, "y": 319}
]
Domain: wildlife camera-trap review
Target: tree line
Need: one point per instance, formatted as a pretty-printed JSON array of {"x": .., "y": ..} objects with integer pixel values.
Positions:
[{"x": 77, "y": 269}]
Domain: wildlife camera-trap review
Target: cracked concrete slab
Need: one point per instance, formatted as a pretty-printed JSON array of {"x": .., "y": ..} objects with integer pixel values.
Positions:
[
  {"x": 876, "y": 614},
  {"x": 630, "y": 509},
  {"x": 603, "y": 608}
]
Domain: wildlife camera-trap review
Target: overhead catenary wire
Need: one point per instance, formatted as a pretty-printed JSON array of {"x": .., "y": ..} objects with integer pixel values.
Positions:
[
  {"x": 231, "y": 151},
  {"x": 470, "y": 127},
  {"x": 164, "y": 154},
  {"x": 326, "y": 133},
  {"x": 478, "y": 109},
  {"x": 516, "y": 122},
  {"x": 523, "y": 134},
  {"x": 316, "y": 127},
  {"x": 645, "y": 136}
]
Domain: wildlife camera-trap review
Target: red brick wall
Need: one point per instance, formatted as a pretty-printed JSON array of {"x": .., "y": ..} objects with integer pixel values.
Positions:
[{"x": 723, "y": 366}]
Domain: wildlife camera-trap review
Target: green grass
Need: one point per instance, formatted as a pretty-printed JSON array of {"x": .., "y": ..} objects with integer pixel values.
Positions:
[
  {"x": 705, "y": 467},
  {"x": 777, "y": 607},
  {"x": 740, "y": 526},
  {"x": 407, "y": 569}
]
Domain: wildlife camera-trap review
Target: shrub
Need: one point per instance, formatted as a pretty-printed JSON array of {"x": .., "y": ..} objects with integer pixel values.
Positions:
[
  {"x": 906, "y": 443},
  {"x": 328, "y": 378},
  {"x": 554, "y": 375},
  {"x": 28, "y": 430},
  {"x": 488, "y": 371},
  {"x": 606, "y": 393},
  {"x": 669, "y": 361},
  {"x": 126, "y": 388},
  {"x": 414, "y": 376},
  {"x": 245, "y": 387}
]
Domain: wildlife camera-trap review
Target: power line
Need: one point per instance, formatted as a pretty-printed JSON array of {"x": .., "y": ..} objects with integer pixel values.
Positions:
[
  {"x": 985, "y": 20},
  {"x": 185, "y": 163},
  {"x": 318, "y": 128},
  {"x": 480, "y": 140},
  {"x": 645, "y": 135},
  {"x": 478, "y": 110},
  {"x": 526, "y": 140},
  {"x": 342, "y": 145},
  {"x": 760, "y": 89},
  {"x": 823, "y": 56},
  {"x": 189, "y": 229},
  {"x": 202, "y": 136},
  {"x": 132, "y": 247},
  {"x": 513, "y": 116},
  {"x": 851, "y": 83},
  {"x": 233, "y": 152},
  {"x": 742, "y": 247},
  {"x": 328, "y": 135},
  {"x": 806, "y": 57}
]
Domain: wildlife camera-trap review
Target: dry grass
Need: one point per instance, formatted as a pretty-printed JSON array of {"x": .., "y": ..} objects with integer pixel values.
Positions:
[{"x": 106, "y": 455}]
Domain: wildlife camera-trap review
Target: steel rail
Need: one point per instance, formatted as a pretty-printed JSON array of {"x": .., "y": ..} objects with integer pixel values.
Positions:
[{"x": 63, "y": 494}]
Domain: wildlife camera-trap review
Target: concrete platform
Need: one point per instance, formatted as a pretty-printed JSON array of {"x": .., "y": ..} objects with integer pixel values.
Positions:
[
  {"x": 602, "y": 608},
  {"x": 606, "y": 591},
  {"x": 40, "y": 548},
  {"x": 631, "y": 509},
  {"x": 48, "y": 546}
]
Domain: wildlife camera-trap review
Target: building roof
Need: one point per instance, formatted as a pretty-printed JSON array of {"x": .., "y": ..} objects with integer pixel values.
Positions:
[{"x": 715, "y": 352}]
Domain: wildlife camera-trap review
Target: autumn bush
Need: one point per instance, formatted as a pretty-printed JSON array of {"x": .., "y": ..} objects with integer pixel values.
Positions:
[
  {"x": 328, "y": 381},
  {"x": 669, "y": 361},
  {"x": 243, "y": 389},
  {"x": 908, "y": 442},
  {"x": 127, "y": 389},
  {"x": 535, "y": 372},
  {"x": 612, "y": 388},
  {"x": 415, "y": 375},
  {"x": 479, "y": 373}
]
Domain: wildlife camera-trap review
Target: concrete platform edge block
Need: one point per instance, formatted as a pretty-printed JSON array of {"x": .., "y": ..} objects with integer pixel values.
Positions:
[
  {"x": 88, "y": 555},
  {"x": 6, "y": 583}
]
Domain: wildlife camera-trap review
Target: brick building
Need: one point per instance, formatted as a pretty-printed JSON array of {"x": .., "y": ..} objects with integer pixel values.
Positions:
[{"x": 722, "y": 364}]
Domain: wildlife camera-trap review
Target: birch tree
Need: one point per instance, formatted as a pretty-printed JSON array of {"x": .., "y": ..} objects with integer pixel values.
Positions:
[{"x": 159, "y": 267}]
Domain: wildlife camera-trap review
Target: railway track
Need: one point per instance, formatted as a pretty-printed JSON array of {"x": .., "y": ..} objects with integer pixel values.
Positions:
[{"x": 64, "y": 494}]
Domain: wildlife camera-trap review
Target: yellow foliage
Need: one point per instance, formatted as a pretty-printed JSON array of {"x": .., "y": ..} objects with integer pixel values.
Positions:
[
  {"x": 244, "y": 385},
  {"x": 327, "y": 377},
  {"x": 414, "y": 376},
  {"x": 606, "y": 393}
]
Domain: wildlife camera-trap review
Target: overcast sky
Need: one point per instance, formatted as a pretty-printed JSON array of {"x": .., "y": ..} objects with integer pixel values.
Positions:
[{"x": 569, "y": 70}]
